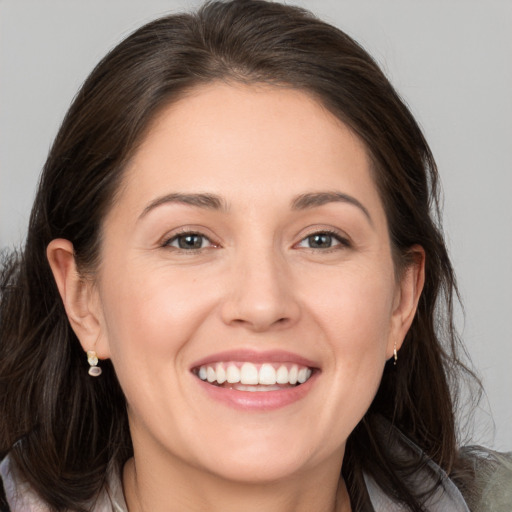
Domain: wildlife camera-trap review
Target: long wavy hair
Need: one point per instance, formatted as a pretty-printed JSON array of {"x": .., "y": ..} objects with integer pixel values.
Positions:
[{"x": 64, "y": 430}]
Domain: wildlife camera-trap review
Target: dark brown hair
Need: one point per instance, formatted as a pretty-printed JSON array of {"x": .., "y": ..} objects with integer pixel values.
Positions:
[{"x": 64, "y": 429}]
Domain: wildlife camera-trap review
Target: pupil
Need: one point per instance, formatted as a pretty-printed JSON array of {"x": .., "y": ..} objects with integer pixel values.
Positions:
[
  {"x": 190, "y": 242},
  {"x": 320, "y": 241}
]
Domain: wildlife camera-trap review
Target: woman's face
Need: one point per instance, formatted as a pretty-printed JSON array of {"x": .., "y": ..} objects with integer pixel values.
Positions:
[{"x": 248, "y": 242}]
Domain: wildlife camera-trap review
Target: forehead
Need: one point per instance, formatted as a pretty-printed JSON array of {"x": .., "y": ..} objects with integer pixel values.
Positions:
[{"x": 232, "y": 139}]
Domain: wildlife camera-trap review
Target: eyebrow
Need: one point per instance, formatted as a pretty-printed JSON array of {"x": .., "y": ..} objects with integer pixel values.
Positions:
[
  {"x": 214, "y": 202},
  {"x": 315, "y": 199},
  {"x": 206, "y": 201}
]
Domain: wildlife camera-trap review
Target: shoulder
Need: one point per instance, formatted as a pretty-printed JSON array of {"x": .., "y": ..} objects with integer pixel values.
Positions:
[
  {"x": 426, "y": 482},
  {"x": 4, "y": 506},
  {"x": 20, "y": 497},
  {"x": 493, "y": 479}
]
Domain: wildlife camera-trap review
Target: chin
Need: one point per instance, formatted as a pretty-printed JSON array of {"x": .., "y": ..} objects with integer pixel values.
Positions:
[
  {"x": 261, "y": 471},
  {"x": 254, "y": 459}
]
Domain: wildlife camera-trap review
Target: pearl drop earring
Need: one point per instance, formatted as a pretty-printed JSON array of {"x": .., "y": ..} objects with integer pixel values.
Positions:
[{"x": 92, "y": 359}]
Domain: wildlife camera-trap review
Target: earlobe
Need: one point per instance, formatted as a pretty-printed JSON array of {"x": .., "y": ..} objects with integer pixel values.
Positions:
[
  {"x": 408, "y": 295},
  {"x": 78, "y": 297}
]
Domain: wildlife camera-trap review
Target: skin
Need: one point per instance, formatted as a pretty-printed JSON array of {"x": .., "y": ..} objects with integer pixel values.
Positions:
[{"x": 257, "y": 283}]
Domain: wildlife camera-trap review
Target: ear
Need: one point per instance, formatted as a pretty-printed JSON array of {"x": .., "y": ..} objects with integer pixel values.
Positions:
[
  {"x": 80, "y": 298},
  {"x": 407, "y": 295}
]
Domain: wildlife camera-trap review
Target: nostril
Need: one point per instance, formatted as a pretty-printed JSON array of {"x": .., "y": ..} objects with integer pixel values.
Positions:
[
  {"x": 259, "y": 308},
  {"x": 260, "y": 322}
]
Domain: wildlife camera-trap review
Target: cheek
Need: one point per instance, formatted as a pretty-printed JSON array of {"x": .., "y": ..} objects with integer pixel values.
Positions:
[
  {"x": 355, "y": 305},
  {"x": 151, "y": 313},
  {"x": 355, "y": 314}
]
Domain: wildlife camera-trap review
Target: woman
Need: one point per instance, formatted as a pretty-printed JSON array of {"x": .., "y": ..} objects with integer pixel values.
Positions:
[{"x": 230, "y": 290}]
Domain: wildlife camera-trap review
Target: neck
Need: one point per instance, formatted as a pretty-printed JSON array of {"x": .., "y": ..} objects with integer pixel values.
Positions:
[{"x": 179, "y": 488}]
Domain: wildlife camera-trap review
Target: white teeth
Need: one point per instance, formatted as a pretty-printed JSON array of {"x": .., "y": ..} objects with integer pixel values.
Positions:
[
  {"x": 304, "y": 374},
  {"x": 242, "y": 387},
  {"x": 282, "y": 375},
  {"x": 268, "y": 376},
  {"x": 233, "y": 374},
  {"x": 221, "y": 373},
  {"x": 293, "y": 374},
  {"x": 249, "y": 374},
  {"x": 210, "y": 374}
]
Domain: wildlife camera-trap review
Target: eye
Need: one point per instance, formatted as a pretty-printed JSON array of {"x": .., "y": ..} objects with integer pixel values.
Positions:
[
  {"x": 323, "y": 240},
  {"x": 189, "y": 242}
]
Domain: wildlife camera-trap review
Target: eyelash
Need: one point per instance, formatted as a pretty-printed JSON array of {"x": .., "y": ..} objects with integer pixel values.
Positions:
[
  {"x": 183, "y": 234},
  {"x": 342, "y": 241}
]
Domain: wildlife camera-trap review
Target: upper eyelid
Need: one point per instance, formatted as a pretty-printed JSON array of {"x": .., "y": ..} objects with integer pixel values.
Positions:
[
  {"x": 341, "y": 241},
  {"x": 169, "y": 244},
  {"x": 340, "y": 235},
  {"x": 315, "y": 230},
  {"x": 184, "y": 231}
]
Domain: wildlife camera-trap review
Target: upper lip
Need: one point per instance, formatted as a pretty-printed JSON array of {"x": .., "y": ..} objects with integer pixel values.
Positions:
[{"x": 253, "y": 356}]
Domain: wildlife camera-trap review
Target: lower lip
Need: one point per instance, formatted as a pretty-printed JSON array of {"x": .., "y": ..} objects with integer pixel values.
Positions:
[{"x": 258, "y": 400}]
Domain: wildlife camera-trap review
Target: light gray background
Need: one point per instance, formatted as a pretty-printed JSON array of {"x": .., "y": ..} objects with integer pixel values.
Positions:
[{"x": 450, "y": 59}]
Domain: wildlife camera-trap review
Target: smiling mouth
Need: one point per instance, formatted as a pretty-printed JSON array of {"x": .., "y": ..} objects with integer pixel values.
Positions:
[{"x": 245, "y": 376}]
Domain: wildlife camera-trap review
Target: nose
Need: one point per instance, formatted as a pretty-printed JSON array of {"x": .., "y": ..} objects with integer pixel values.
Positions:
[{"x": 262, "y": 292}]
